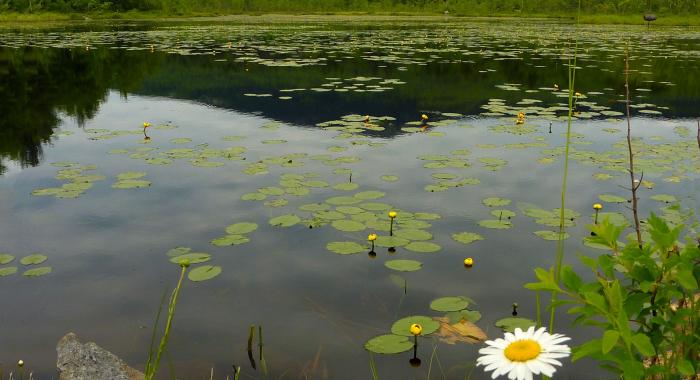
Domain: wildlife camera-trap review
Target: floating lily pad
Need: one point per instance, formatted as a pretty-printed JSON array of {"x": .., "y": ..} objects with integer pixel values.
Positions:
[
  {"x": 413, "y": 234},
  {"x": 375, "y": 206},
  {"x": 495, "y": 202},
  {"x": 446, "y": 304},
  {"x": 502, "y": 213},
  {"x": 6, "y": 259},
  {"x": 467, "y": 237},
  {"x": 611, "y": 198},
  {"x": 232, "y": 239},
  {"x": 314, "y": 207},
  {"x": 551, "y": 235},
  {"x": 33, "y": 259},
  {"x": 182, "y": 140},
  {"x": 47, "y": 191},
  {"x": 253, "y": 197},
  {"x": 496, "y": 224},
  {"x": 241, "y": 228},
  {"x": 422, "y": 246},
  {"x": 389, "y": 178},
  {"x": 346, "y": 186},
  {"x": 390, "y": 241},
  {"x": 7, "y": 271},
  {"x": 194, "y": 258},
  {"x": 350, "y": 210},
  {"x": 178, "y": 251},
  {"x": 203, "y": 273},
  {"x": 130, "y": 175},
  {"x": 664, "y": 198},
  {"x": 426, "y": 216},
  {"x": 510, "y": 324},
  {"x": 348, "y": 225},
  {"x": 404, "y": 265},
  {"x": 403, "y": 325},
  {"x": 388, "y": 344},
  {"x": 131, "y": 184},
  {"x": 346, "y": 247},
  {"x": 343, "y": 200},
  {"x": 36, "y": 272},
  {"x": 285, "y": 220},
  {"x": 367, "y": 195}
]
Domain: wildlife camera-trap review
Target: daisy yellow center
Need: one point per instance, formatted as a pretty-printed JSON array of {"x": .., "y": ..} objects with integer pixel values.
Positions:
[{"x": 523, "y": 350}]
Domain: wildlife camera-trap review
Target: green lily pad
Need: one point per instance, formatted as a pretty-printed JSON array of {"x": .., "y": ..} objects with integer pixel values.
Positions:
[
  {"x": 241, "y": 228},
  {"x": 346, "y": 247},
  {"x": 426, "y": 216},
  {"x": 404, "y": 265},
  {"x": 423, "y": 247},
  {"x": 496, "y": 224},
  {"x": 271, "y": 190},
  {"x": 314, "y": 207},
  {"x": 203, "y": 273},
  {"x": 388, "y": 344},
  {"x": 33, "y": 259},
  {"x": 36, "y": 272},
  {"x": 367, "y": 195},
  {"x": 498, "y": 213},
  {"x": 390, "y": 241},
  {"x": 495, "y": 202},
  {"x": 47, "y": 191},
  {"x": 402, "y": 326},
  {"x": 130, "y": 175},
  {"x": 413, "y": 234},
  {"x": 343, "y": 200},
  {"x": 5, "y": 258},
  {"x": 7, "y": 271},
  {"x": 389, "y": 178},
  {"x": 350, "y": 210},
  {"x": 253, "y": 197},
  {"x": 182, "y": 140},
  {"x": 467, "y": 237},
  {"x": 348, "y": 225},
  {"x": 375, "y": 206},
  {"x": 551, "y": 235},
  {"x": 232, "y": 239},
  {"x": 446, "y": 304},
  {"x": 664, "y": 198},
  {"x": 194, "y": 258},
  {"x": 131, "y": 184},
  {"x": 611, "y": 198},
  {"x": 285, "y": 220},
  {"x": 281, "y": 202},
  {"x": 178, "y": 251},
  {"x": 510, "y": 324},
  {"x": 346, "y": 186}
]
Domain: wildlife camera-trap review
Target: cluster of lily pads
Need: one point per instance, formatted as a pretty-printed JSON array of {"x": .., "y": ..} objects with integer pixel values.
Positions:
[
  {"x": 78, "y": 181},
  {"x": 200, "y": 156},
  {"x": 29, "y": 261},
  {"x": 198, "y": 273}
]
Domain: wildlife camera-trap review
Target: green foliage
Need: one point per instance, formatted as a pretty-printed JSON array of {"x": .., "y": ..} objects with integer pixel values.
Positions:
[{"x": 645, "y": 300}]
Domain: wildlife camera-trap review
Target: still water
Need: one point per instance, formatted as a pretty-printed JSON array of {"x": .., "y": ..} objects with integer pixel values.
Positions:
[{"x": 253, "y": 120}]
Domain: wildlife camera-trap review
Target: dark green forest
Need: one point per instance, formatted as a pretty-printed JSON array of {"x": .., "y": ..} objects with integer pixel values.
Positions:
[{"x": 473, "y": 7}]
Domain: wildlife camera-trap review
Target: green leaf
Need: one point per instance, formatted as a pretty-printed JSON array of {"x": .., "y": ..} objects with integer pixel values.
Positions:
[
  {"x": 587, "y": 349},
  {"x": 467, "y": 237},
  {"x": 404, "y": 265},
  {"x": 388, "y": 344},
  {"x": 285, "y": 220},
  {"x": 643, "y": 344},
  {"x": 422, "y": 246},
  {"x": 5, "y": 258},
  {"x": 686, "y": 278},
  {"x": 346, "y": 247},
  {"x": 401, "y": 327},
  {"x": 610, "y": 338},
  {"x": 194, "y": 258},
  {"x": 685, "y": 367},
  {"x": 33, "y": 259},
  {"x": 36, "y": 272},
  {"x": 203, "y": 273},
  {"x": 632, "y": 370},
  {"x": 446, "y": 304},
  {"x": 241, "y": 228},
  {"x": 510, "y": 324},
  {"x": 7, "y": 271},
  {"x": 495, "y": 202},
  {"x": 348, "y": 225},
  {"x": 230, "y": 240},
  {"x": 570, "y": 279}
]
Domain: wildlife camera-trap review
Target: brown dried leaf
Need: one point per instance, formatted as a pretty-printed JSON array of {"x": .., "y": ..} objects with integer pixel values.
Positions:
[{"x": 463, "y": 331}]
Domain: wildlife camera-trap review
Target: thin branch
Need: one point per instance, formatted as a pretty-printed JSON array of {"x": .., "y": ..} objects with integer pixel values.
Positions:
[{"x": 631, "y": 154}]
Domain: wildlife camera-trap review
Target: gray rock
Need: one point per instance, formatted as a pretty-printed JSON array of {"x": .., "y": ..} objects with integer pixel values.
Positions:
[{"x": 88, "y": 361}]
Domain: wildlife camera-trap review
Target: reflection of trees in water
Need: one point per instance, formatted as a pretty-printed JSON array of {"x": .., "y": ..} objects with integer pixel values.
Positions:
[{"x": 37, "y": 84}]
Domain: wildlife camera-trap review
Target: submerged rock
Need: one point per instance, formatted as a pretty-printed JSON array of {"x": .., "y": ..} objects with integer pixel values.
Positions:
[{"x": 88, "y": 361}]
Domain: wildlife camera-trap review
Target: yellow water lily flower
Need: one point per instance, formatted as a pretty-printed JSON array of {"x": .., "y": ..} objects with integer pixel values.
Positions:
[
  {"x": 146, "y": 124},
  {"x": 468, "y": 262},
  {"x": 424, "y": 117},
  {"x": 416, "y": 329},
  {"x": 372, "y": 237},
  {"x": 522, "y": 354},
  {"x": 392, "y": 214},
  {"x": 578, "y": 94},
  {"x": 20, "y": 363},
  {"x": 597, "y": 206}
]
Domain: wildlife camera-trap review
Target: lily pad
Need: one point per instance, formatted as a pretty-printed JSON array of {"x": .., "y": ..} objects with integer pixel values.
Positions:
[
  {"x": 446, "y": 304},
  {"x": 346, "y": 186},
  {"x": 285, "y": 220},
  {"x": 7, "y": 271},
  {"x": 423, "y": 247},
  {"x": 33, "y": 259},
  {"x": 232, "y": 239},
  {"x": 5, "y": 258},
  {"x": 343, "y": 200},
  {"x": 551, "y": 235},
  {"x": 495, "y": 202},
  {"x": 510, "y": 324},
  {"x": 611, "y": 198},
  {"x": 203, "y": 273},
  {"x": 388, "y": 344},
  {"x": 413, "y": 234},
  {"x": 664, "y": 198},
  {"x": 467, "y": 237},
  {"x": 404, "y": 265},
  {"x": 496, "y": 224},
  {"x": 194, "y": 258},
  {"x": 36, "y": 272},
  {"x": 130, "y": 175},
  {"x": 346, "y": 247},
  {"x": 389, "y": 178},
  {"x": 241, "y": 228},
  {"x": 367, "y": 195},
  {"x": 131, "y": 184},
  {"x": 348, "y": 225},
  {"x": 178, "y": 251},
  {"x": 390, "y": 241},
  {"x": 403, "y": 325}
]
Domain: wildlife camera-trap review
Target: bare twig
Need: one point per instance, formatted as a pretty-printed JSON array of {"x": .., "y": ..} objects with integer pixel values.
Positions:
[{"x": 634, "y": 185}]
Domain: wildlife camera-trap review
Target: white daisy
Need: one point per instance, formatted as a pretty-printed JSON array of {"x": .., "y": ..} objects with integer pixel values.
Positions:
[{"x": 523, "y": 354}]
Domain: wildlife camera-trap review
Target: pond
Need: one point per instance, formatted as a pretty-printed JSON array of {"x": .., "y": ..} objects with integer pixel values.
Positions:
[{"x": 275, "y": 147}]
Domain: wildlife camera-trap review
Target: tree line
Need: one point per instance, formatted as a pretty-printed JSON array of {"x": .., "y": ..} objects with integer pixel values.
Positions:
[{"x": 474, "y": 7}]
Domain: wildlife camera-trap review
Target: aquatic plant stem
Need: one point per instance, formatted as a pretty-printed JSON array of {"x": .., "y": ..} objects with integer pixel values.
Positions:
[
  {"x": 698, "y": 133},
  {"x": 565, "y": 177},
  {"x": 634, "y": 184},
  {"x": 153, "y": 369}
]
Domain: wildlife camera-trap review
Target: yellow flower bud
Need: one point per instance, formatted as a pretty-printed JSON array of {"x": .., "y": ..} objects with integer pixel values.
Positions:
[
  {"x": 424, "y": 117},
  {"x": 597, "y": 206},
  {"x": 372, "y": 237},
  {"x": 146, "y": 124},
  {"x": 416, "y": 329},
  {"x": 392, "y": 214},
  {"x": 468, "y": 262},
  {"x": 20, "y": 363}
]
